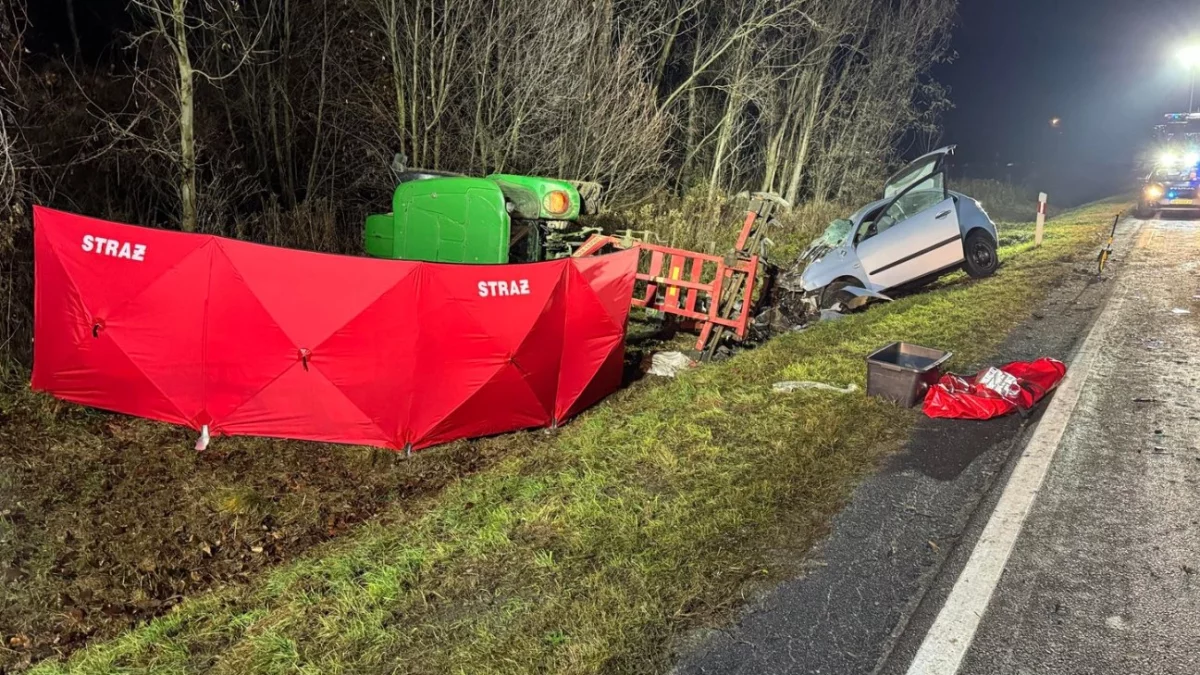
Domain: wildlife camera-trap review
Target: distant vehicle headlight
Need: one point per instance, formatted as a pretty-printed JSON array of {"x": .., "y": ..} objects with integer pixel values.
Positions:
[
  {"x": 1153, "y": 192},
  {"x": 1169, "y": 159}
]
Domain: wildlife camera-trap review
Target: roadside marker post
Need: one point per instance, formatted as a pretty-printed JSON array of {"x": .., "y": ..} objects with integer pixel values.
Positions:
[{"x": 1041, "y": 219}]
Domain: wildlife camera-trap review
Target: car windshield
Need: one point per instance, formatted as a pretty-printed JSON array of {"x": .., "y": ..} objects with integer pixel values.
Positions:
[{"x": 837, "y": 232}]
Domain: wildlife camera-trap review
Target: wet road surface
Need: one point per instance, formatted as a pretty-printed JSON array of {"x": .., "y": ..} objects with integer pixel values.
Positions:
[{"x": 1104, "y": 576}]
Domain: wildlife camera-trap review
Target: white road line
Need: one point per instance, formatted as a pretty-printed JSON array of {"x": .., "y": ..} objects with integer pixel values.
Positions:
[{"x": 948, "y": 639}]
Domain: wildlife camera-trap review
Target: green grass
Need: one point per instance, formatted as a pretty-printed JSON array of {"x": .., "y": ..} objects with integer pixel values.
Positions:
[
  {"x": 590, "y": 550},
  {"x": 1004, "y": 201}
]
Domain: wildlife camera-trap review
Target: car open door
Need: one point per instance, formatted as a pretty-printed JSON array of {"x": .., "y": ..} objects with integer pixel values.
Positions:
[
  {"x": 917, "y": 233},
  {"x": 917, "y": 170}
]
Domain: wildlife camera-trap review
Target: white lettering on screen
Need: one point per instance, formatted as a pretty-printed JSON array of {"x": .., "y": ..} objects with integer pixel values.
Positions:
[
  {"x": 492, "y": 289},
  {"x": 113, "y": 248}
]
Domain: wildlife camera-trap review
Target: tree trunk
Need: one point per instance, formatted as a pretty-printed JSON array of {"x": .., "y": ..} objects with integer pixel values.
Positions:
[
  {"x": 187, "y": 126},
  {"x": 793, "y": 188},
  {"x": 74, "y": 27},
  {"x": 391, "y": 24},
  {"x": 311, "y": 185},
  {"x": 732, "y": 108},
  {"x": 692, "y": 132},
  {"x": 774, "y": 149},
  {"x": 665, "y": 56}
]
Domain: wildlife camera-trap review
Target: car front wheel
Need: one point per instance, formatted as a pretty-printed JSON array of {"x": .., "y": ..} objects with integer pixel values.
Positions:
[
  {"x": 834, "y": 295},
  {"x": 980, "y": 252}
]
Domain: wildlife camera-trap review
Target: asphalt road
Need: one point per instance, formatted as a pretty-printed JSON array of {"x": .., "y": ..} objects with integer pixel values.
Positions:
[
  {"x": 874, "y": 585},
  {"x": 1105, "y": 574}
]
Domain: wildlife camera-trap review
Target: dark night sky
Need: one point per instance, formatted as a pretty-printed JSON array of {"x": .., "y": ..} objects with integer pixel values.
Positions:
[{"x": 1108, "y": 68}]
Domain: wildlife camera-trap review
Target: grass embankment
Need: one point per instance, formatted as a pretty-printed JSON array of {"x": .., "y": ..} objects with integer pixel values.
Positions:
[
  {"x": 1004, "y": 201},
  {"x": 589, "y": 550}
]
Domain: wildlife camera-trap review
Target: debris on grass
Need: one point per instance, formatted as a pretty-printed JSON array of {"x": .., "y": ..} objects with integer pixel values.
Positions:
[
  {"x": 669, "y": 364},
  {"x": 861, "y": 296},
  {"x": 790, "y": 386}
]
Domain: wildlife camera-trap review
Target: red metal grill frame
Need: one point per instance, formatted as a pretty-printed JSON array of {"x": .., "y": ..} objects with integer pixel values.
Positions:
[{"x": 673, "y": 294}]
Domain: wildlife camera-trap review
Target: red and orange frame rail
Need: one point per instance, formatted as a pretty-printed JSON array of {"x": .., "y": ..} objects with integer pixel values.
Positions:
[{"x": 715, "y": 292}]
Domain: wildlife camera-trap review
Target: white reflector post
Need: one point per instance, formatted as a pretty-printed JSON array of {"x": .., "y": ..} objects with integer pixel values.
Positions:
[{"x": 1041, "y": 219}]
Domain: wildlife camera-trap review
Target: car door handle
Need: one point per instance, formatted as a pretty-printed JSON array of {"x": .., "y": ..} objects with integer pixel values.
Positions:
[{"x": 943, "y": 214}]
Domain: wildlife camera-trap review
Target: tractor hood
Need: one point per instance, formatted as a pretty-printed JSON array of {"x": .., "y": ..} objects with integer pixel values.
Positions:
[{"x": 531, "y": 196}]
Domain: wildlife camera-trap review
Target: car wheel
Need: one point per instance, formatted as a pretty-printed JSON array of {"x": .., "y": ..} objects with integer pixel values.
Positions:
[
  {"x": 833, "y": 295},
  {"x": 979, "y": 249}
]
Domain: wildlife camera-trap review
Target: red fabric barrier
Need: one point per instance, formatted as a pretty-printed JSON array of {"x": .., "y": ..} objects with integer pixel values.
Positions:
[{"x": 248, "y": 339}]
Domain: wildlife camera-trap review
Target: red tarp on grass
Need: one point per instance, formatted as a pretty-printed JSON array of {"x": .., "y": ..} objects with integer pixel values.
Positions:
[
  {"x": 248, "y": 339},
  {"x": 994, "y": 392}
]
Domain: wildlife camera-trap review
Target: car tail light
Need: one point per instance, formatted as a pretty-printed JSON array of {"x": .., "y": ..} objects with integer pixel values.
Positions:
[{"x": 557, "y": 203}]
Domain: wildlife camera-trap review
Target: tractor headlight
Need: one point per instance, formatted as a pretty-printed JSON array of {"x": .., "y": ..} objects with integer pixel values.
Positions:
[
  {"x": 1153, "y": 192},
  {"x": 557, "y": 203}
]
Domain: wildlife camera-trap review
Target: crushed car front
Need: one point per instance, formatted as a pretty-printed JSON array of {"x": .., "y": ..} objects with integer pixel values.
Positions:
[{"x": 831, "y": 256}]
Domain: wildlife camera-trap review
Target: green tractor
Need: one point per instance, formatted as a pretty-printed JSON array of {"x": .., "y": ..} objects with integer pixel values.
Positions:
[{"x": 497, "y": 219}]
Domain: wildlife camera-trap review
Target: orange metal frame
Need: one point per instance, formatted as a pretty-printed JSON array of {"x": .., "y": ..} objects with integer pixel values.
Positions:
[{"x": 673, "y": 283}]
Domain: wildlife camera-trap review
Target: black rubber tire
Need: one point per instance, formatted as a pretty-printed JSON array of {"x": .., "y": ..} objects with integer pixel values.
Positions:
[
  {"x": 979, "y": 249},
  {"x": 833, "y": 294}
]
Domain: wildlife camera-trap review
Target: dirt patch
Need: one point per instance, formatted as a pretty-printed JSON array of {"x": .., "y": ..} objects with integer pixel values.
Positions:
[{"x": 107, "y": 520}]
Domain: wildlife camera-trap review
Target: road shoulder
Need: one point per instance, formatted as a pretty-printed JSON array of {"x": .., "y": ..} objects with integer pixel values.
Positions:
[
  {"x": 1101, "y": 579},
  {"x": 868, "y": 579}
]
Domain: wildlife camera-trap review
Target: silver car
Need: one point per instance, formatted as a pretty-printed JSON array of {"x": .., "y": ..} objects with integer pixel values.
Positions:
[{"x": 918, "y": 231}]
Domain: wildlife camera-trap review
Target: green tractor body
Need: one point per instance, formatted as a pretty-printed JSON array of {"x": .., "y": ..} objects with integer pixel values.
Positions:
[{"x": 492, "y": 220}]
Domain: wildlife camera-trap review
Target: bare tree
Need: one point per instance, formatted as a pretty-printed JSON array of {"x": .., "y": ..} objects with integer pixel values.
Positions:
[
  {"x": 73, "y": 26},
  {"x": 15, "y": 164},
  {"x": 15, "y": 157},
  {"x": 183, "y": 28}
]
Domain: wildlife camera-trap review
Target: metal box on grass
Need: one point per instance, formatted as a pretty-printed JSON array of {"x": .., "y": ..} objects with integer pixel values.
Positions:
[{"x": 902, "y": 372}]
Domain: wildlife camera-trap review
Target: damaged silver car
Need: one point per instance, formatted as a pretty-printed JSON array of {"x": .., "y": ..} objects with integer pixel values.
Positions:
[{"x": 917, "y": 232}]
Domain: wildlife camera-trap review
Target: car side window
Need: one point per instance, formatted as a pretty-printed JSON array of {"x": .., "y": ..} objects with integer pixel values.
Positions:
[
  {"x": 926, "y": 194},
  {"x": 920, "y": 199}
]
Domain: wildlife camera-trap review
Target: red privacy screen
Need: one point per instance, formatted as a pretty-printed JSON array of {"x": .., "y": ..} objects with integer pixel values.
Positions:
[{"x": 248, "y": 339}]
